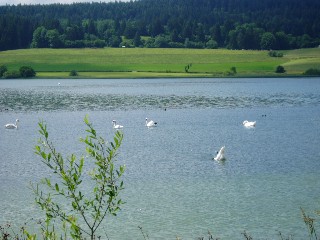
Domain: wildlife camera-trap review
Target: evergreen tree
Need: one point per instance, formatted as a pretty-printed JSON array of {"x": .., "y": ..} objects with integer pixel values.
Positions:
[{"x": 137, "y": 40}]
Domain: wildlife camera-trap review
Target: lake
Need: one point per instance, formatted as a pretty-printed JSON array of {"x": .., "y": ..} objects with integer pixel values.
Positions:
[{"x": 173, "y": 188}]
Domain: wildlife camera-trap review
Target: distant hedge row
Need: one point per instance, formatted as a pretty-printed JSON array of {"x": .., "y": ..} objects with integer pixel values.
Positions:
[{"x": 24, "y": 72}]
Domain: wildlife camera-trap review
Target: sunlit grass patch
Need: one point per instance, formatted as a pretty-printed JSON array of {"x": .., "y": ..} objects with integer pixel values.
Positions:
[{"x": 146, "y": 62}]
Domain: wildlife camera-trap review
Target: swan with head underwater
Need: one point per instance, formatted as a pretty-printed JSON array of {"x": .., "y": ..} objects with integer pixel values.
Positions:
[
  {"x": 12, "y": 125},
  {"x": 115, "y": 125},
  {"x": 150, "y": 123},
  {"x": 220, "y": 155},
  {"x": 249, "y": 124}
]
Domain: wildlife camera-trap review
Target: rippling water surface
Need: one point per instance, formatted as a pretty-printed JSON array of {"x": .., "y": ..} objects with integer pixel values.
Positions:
[{"x": 173, "y": 187}]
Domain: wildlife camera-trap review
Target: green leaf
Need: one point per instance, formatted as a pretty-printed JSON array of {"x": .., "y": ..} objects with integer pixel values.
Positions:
[
  {"x": 86, "y": 119},
  {"x": 37, "y": 148},
  {"x": 81, "y": 164},
  {"x": 48, "y": 182},
  {"x": 80, "y": 196},
  {"x": 74, "y": 205},
  {"x": 44, "y": 155}
]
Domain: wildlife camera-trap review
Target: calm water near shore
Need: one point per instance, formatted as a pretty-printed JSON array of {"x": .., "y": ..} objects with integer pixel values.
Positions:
[{"x": 173, "y": 188}]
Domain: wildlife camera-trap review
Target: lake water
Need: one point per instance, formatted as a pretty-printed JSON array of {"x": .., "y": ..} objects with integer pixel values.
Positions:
[{"x": 173, "y": 188}]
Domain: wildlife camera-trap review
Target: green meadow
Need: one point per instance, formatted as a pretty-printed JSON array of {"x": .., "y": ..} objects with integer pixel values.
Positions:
[{"x": 155, "y": 62}]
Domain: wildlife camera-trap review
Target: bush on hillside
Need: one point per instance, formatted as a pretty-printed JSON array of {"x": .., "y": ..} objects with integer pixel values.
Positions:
[
  {"x": 280, "y": 69},
  {"x": 73, "y": 73},
  {"x": 27, "y": 72},
  {"x": 3, "y": 69},
  {"x": 312, "y": 71},
  {"x": 11, "y": 74},
  {"x": 231, "y": 72},
  {"x": 275, "y": 54}
]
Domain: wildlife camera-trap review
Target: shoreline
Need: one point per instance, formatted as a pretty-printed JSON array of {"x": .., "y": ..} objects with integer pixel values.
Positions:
[{"x": 155, "y": 75}]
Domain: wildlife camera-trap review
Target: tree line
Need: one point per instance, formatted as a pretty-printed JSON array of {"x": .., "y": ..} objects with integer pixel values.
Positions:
[
  {"x": 233, "y": 24},
  {"x": 24, "y": 72}
]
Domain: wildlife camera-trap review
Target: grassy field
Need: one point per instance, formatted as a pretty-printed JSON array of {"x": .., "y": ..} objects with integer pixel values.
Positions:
[{"x": 150, "y": 62}]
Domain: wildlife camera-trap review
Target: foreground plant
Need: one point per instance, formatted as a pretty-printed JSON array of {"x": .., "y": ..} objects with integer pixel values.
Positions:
[
  {"x": 310, "y": 223},
  {"x": 64, "y": 199},
  {"x": 7, "y": 232}
]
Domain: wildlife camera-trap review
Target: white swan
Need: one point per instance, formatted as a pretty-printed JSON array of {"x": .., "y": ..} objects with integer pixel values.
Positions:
[
  {"x": 248, "y": 124},
  {"x": 116, "y": 126},
  {"x": 150, "y": 123},
  {"x": 12, "y": 125},
  {"x": 220, "y": 155}
]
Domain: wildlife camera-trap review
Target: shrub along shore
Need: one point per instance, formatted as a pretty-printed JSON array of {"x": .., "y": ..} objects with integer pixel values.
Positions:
[{"x": 162, "y": 62}]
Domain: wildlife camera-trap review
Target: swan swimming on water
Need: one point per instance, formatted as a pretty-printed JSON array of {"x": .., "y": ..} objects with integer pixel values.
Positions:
[
  {"x": 220, "y": 155},
  {"x": 116, "y": 126},
  {"x": 150, "y": 123},
  {"x": 12, "y": 125},
  {"x": 248, "y": 124}
]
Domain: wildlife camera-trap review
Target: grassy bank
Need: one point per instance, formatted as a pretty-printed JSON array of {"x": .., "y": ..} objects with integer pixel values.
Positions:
[{"x": 150, "y": 62}]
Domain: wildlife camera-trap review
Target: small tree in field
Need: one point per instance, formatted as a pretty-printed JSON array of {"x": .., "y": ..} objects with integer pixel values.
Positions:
[
  {"x": 280, "y": 69},
  {"x": 233, "y": 70},
  {"x": 73, "y": 73},
  {"x": 64, "y": 199}
]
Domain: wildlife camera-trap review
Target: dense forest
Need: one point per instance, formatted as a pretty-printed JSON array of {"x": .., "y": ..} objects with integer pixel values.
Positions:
[{"x": 233, "y": 24}]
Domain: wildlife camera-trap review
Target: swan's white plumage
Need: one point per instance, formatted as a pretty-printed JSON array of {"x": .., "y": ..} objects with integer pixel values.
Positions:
[
  {"x": 12, "y": 125},
  {"x": 116, "y": 126},
  {"x": 248, "y": 124},
  {"x": 150, "y": 123},
  {"x": 220, "y": 155}
]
